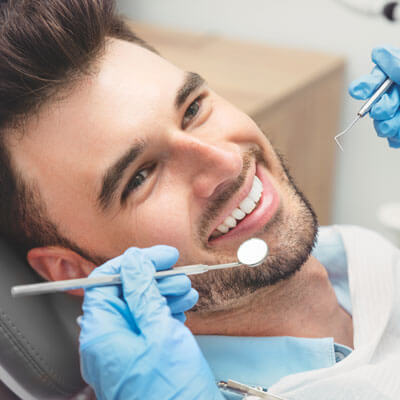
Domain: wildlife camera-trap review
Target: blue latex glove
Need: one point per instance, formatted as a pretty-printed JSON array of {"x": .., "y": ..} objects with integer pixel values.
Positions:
[
  {"x": 385, "y": 112},
  {"x": 130, "y": 345},
  {"x": 176, "y": 289}
]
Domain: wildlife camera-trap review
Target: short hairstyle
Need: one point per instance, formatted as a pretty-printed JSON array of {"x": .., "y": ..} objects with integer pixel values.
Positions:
[{"x": 45, "y": 46}]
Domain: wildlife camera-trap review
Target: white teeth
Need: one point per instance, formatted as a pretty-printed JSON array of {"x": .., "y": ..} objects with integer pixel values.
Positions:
[
  {"x": 247, "y": 205},
  {"x": 223, "y": 228},
  {"x": 255, "y": 193},
  {"x": 237, "y": 213},
  {"x": 257, "y": 182},
  {"x": 230, "y": 222}
]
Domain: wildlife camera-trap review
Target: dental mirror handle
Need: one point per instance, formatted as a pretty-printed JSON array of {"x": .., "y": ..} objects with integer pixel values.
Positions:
[
  {"x": 371, "y": 101},
  {"x": 251, "y": 253},
  {"x": 84, "y": 283}
]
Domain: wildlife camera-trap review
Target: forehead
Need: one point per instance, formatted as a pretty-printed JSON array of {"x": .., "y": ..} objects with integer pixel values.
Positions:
[
  {"x": 133, "y": 76},
  {"x": 127, "y": 96},
  {"x": 129, "y": 84}
]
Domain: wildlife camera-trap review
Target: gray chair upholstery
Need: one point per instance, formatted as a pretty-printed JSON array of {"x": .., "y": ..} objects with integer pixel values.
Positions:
[{"x": 39, "y": 356}]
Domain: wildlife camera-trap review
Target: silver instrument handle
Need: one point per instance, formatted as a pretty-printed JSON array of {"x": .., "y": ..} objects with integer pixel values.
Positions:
[
  {"x": 379, "y": 92},
  {"x": 241, "y": 388},
  {"x": 84, "y": 283}
]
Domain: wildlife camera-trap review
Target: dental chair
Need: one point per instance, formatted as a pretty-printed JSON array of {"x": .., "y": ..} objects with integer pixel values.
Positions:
[{"x": 39, "y": 357}]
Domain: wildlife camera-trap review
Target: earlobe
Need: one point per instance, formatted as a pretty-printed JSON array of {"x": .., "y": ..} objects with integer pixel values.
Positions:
[{"x": 58, "y": 263}]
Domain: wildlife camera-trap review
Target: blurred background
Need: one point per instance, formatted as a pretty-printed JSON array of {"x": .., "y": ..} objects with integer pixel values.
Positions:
[{"x": 288, "y": 63}]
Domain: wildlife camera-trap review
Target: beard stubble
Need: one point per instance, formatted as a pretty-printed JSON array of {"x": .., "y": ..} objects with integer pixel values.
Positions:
[{"x": 294, "y": 238}]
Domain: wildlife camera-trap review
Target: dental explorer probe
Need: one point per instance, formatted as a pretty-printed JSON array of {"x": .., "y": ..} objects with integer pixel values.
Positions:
[
  {"x": 366, "y": 107},
  {"x": 251, "y": 253}
]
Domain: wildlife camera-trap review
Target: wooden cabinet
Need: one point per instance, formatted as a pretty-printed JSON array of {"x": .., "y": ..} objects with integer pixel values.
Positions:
[{"x": 294, "y": 95}]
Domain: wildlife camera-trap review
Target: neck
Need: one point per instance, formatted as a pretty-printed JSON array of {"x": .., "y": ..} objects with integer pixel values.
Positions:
[{"x": 304, "y": 305}]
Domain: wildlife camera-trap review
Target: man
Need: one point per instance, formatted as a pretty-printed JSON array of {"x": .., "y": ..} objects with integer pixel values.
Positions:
[{"x": 105, "y": 146}]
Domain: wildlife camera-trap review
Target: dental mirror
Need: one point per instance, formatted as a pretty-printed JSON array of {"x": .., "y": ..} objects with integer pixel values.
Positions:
[{"x": 250, "y": 253}]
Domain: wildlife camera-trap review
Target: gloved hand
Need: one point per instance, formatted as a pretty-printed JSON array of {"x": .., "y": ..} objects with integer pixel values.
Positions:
[
  {"x": 130, "y": 345},
  {"x": 385, "y": 112},
  {"x": 177, "y": 289}
]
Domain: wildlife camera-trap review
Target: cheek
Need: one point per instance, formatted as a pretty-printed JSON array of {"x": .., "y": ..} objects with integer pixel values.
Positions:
[{"x": 163, "y": 222}]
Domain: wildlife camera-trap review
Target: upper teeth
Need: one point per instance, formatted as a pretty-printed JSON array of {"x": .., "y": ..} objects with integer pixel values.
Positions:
[{"x": 245, "y": 207}]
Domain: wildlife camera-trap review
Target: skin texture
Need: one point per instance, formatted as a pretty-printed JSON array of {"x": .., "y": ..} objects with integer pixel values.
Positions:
[{"x": 188, "y": 166}]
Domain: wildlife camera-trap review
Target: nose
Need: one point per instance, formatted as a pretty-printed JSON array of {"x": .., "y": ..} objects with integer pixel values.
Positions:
[{"x": 207, "y": 165}]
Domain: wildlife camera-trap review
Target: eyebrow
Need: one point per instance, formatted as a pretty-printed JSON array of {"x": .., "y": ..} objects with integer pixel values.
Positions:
[
  {"x": 191, "y": 82},
  {"x": 114, "y": 174}
]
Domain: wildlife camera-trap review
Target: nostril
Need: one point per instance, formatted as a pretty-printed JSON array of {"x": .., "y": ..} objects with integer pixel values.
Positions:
[{"x": 226, "y": 188}]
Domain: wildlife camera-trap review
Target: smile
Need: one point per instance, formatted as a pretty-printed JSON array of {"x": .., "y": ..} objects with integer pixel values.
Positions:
[
  {"x": 251, "y": 213},
  {"x": 245, "y": 207}
]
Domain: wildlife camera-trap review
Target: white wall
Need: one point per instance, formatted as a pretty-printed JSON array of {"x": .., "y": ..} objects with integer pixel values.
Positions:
[{"x": 368, "y": 172}]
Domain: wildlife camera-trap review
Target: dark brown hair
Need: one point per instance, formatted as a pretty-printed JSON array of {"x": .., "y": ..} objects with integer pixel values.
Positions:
[{"x": 45, "y": 46}]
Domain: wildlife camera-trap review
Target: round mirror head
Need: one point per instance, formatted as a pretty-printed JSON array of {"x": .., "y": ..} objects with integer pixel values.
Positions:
[{"x": 252, "y": 252}]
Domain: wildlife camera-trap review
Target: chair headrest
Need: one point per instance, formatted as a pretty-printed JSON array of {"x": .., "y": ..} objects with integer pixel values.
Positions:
[{"x": 38, "y": 335}]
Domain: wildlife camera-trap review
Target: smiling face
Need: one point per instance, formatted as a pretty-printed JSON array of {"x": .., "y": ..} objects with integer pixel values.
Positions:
[{"x": 142, "y": 153}]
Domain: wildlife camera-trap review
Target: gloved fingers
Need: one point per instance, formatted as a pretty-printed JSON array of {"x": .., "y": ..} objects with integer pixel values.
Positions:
[
  {"x": 176, "y": 285},
  {"x": 184, "y": 303},
  {"x": 388, "y": 59},
  {"x": 102, "y": 305},
  {"x": 105, "y": 306},
  {"x": 111, "y": 267},
  {"x": 364, "y": 87},
  {"x": 180, "y": 317},
  {"x": 147, "y": 306},
  {"x": 163, "y": 257},
  {"x": 394, "y": 142},
  {"x": 387, "y": 105},
  {"x": 388, "y": 127}
]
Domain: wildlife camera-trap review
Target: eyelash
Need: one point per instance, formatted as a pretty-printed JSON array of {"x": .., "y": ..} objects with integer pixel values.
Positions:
[
  {"x": 133, "y": 184},
  {"x": 196, "y": 101}
]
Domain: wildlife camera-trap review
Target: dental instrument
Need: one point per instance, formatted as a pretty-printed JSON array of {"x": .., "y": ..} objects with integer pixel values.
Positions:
[
  {"x": 366, "y": 107},
  {"x": 242, "y": 389},
  {"x": 251, "y": 253}
]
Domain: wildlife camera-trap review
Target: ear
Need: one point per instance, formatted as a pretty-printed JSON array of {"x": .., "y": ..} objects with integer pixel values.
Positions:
[{"x": 59, "y": 263}]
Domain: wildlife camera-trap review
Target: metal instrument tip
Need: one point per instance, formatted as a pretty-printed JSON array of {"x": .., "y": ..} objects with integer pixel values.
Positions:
[{"x": 345, "y": 131}]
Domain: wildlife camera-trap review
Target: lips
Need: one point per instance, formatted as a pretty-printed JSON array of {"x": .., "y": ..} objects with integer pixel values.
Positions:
[{"x": 251, "y": 213}]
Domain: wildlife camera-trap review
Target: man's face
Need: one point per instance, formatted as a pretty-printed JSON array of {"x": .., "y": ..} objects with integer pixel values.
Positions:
[{"x": 142, "y": 153}]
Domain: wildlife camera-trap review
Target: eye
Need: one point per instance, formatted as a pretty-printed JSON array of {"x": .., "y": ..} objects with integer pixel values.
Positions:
[
  {"x": 191, "y": 112},
  {"x": 137, "y": 180}
]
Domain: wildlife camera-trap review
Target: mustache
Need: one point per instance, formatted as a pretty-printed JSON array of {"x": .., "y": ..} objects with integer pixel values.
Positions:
[{"x": 217, "y": 204}]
